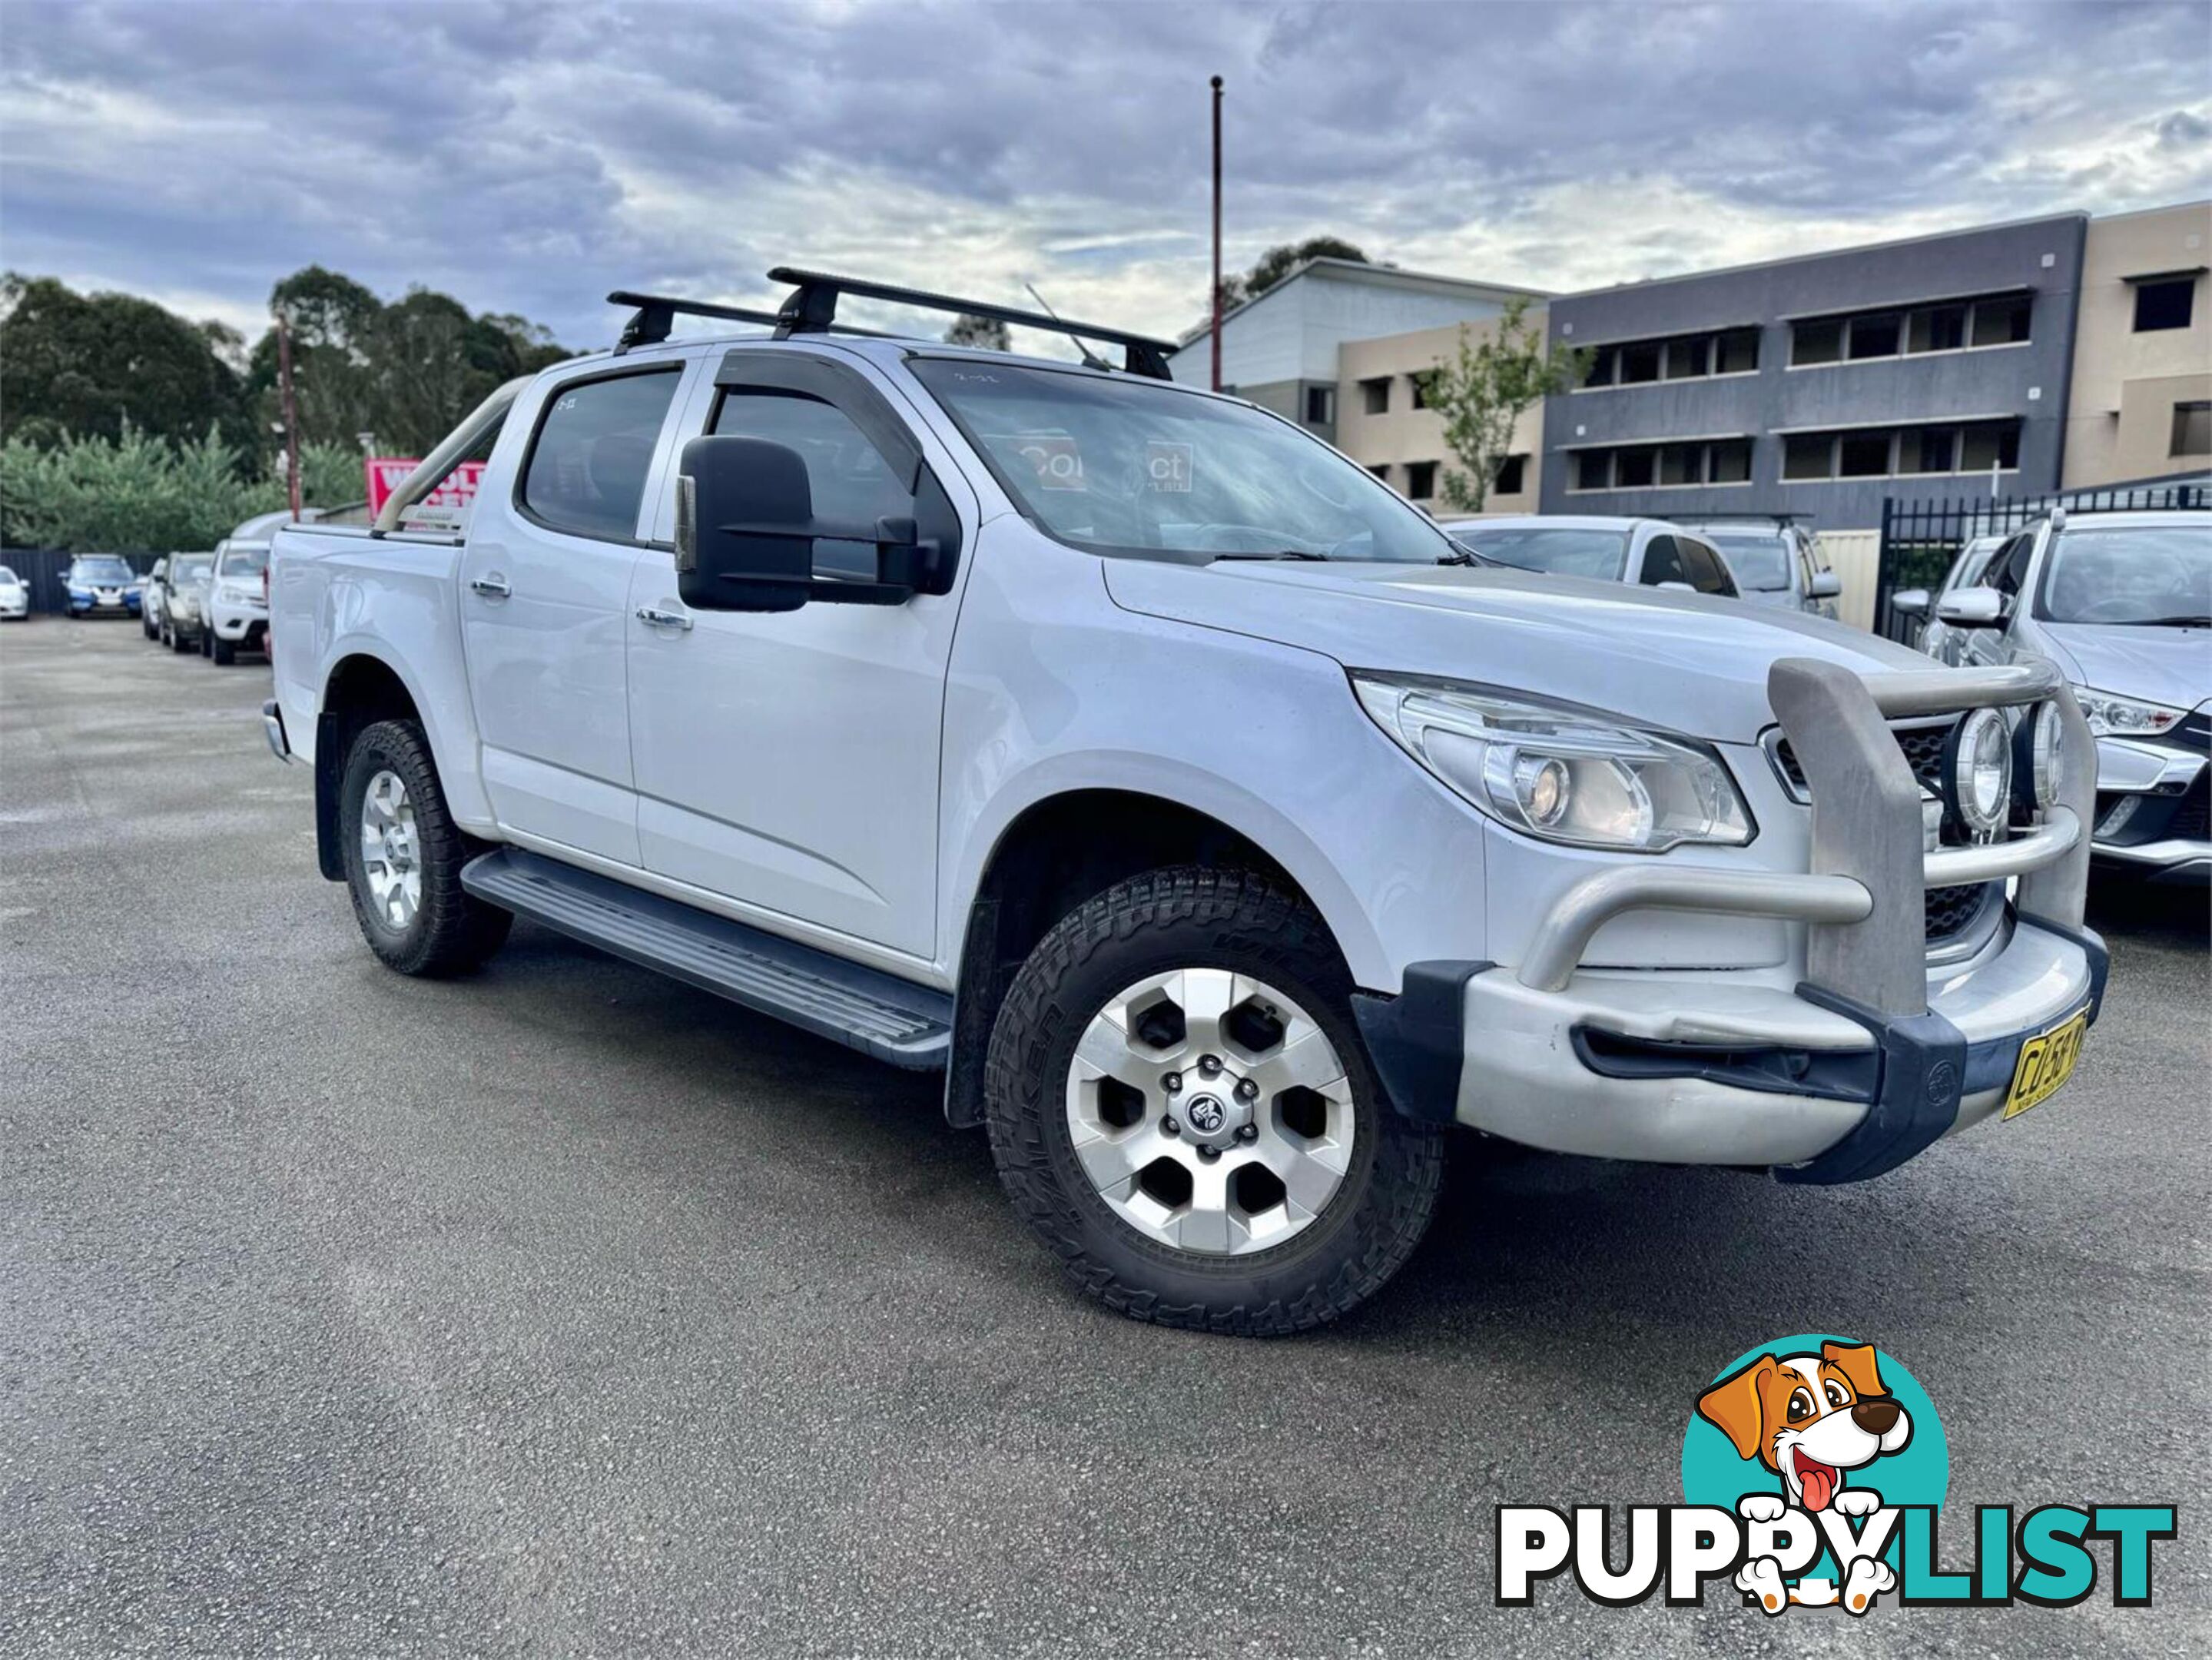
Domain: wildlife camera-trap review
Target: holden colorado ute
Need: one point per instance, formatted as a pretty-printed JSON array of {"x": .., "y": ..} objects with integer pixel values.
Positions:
[{"x": 1176, "y": 790}]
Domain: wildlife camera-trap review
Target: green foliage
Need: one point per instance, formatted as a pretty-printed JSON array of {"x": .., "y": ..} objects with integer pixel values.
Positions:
[
  {"x": 1484, "y": 390},
  {"x": 138, "y": 493},
  {"x": 985, "y": 333},
  {"x": 93, "y": 365},
  {"x": 1279, "y": 262}
]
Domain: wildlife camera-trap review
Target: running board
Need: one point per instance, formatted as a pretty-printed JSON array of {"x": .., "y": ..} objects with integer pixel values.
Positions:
[{"x": 863, "y": 1009}]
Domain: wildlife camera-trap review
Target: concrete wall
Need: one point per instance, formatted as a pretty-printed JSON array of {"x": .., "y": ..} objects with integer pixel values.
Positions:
[
  {"x": 2120, "y": 422},
  {"x": 1404, "y": 433},
  {"x": 2028, "y": 380}
]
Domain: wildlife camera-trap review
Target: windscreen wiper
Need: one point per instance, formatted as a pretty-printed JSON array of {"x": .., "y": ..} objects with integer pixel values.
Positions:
[
  {"x": 1277, "y": 553},
  {"x": 2177, "y": 622},
  {"x": 1467, "y": 556}
]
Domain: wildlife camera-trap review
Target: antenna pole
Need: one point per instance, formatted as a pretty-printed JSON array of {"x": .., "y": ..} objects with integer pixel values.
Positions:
[
  {"x": 1217, "y": 233},
  {"x": 290, "y": 408}
]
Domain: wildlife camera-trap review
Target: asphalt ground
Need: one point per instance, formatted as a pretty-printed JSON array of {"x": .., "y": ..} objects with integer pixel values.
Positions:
[{"x": 566, "y": 1311}]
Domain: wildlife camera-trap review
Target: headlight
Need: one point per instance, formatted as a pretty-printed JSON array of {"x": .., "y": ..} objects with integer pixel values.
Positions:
[
  {"x": 2124, "y": 717},
  {"x": 1557, "y": 772},
  {"x": 232, "y": 593},
  {"x": 1977, "y": 771}
]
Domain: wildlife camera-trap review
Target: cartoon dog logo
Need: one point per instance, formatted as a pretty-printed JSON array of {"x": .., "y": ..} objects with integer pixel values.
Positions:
[{"x": 1811, "y": 1418}]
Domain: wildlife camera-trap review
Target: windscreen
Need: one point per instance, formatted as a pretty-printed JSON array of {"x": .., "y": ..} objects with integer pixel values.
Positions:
[
  {"x": 1121, "y": 466},
  {"x": 106, "y": 570},
  {"x": 2143, "y": 575},
  {"x": 244, "y": 561},
  {"x": 191, "y": 565},
  {"x": 6, "y": 575},
  {"x": 1561, "y": 550},
  {"x": 1758, "y": 561}
]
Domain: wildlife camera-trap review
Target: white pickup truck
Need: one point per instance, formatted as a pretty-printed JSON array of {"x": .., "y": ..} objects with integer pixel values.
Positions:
[{"x": 1179, "y": 791}]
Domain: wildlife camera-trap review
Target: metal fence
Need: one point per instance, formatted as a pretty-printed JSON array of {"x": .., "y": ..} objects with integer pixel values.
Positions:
[
  {"x": 41, "y": 570},
  {"x": 1920, "y": 539}
]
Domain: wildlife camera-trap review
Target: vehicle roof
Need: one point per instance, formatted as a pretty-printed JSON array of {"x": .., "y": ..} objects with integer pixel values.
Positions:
[
  {"x": 2128, "y": 517},
  {"x": 1556, "y": 521}
]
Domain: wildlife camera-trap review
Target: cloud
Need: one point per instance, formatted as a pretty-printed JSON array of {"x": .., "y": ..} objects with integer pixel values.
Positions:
[{"x": 528, "y": 155}]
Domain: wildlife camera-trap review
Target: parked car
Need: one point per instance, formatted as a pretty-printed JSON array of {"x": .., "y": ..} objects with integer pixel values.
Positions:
[
  {"x": 1936, "y": 637},
  {"x": 177, "y": 596},
  {"x": 237, "y": 592},
  {"x": 102, "y": 584},
  {"x": 1775, "y": 561},
  {"x": 15, "y": 596},
  {"x": 2121, "y": 603},
  {"x": 1650, "y": 552},
  {"x": 148, "y": 596},
  {"x": 1218, "y": 827}
]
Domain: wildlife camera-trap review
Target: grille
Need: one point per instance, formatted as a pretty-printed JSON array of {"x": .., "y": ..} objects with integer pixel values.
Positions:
[
  {"x": 2193, "y": 818},
  {"x": 1950, "y": 912}
]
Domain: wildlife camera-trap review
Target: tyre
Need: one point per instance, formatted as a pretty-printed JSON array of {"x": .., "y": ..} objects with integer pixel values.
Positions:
[
  {"x": 1180, "y": 1105},
  {"x": 146, "y": 626},
  {"x": 207, "y": 637},
  {"x": 225, "y": 652},
  {"x": 404, "y": 856},
  {"x": 178, "y": 644}
]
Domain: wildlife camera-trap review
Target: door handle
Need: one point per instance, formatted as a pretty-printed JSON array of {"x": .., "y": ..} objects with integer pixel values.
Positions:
[
  {"x": 492, "y": 586},
  {"x": 664, "y": 619}
]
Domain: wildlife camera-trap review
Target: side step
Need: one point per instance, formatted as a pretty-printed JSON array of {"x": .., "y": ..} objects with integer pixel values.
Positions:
[{"x": 863, "y": 1009}]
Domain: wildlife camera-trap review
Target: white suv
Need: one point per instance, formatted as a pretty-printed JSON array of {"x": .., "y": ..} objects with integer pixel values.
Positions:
[{"x": 1180, "y": 792}]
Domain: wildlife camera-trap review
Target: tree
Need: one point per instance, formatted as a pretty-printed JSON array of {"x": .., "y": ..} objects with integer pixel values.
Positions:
[
  {"x": 1483, "y": 391},
  {"x": 105, "y": 362},
  {"x": 984, "y": 333}
]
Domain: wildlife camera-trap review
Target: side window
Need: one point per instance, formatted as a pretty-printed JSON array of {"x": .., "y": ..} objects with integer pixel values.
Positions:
[
  {"x": 1661, "y": 563},
  {"x": 851, "y": 483},
  {"x": 591, "y": 451},
  {"x": 2009, "y": 569},
  {"x": 1706, "y": 573}
]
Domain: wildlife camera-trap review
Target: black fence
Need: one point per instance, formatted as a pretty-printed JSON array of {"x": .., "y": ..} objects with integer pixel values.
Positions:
[
  {"x": 41, "y": 570},
  {"x": 1920, "y": 539}
]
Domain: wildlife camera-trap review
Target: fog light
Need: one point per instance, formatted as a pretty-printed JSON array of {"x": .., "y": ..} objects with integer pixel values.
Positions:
[
  {"x": 1977, "y": 772},
  {"x": 2036, "y": 755}
]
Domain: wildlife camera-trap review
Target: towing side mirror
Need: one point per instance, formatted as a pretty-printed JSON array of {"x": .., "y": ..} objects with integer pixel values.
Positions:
[
  {"x": 1826, "y": 585},
  {"x": 1910, "y": 602},
  {"x": 745, "y": 531},
  {"x": 1971, "y": 608}
]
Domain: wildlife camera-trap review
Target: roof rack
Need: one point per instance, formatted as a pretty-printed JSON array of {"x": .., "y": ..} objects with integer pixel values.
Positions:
[
  {"x": 812, "y": 309},
  {"x": 657, "y": 313},
  {"x": 1747, "y": 518}
]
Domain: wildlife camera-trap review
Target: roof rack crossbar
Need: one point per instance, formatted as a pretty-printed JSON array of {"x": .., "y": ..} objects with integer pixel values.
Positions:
[
  {"x": 812, "y": 307},
  {"x": 657, "y": 313}
]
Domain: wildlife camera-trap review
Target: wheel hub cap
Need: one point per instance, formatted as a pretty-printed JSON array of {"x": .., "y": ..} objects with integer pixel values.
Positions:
[
  {"x": 1210, "y": 1112},
  {"x": 391, "y": 854}
]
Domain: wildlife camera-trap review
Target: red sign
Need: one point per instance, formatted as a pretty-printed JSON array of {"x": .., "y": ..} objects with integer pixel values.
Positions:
[{"x": 458, "y": 490}]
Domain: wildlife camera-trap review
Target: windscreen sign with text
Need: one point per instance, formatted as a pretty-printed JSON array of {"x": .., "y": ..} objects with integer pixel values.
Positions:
[{"x": 446, "y": 507}]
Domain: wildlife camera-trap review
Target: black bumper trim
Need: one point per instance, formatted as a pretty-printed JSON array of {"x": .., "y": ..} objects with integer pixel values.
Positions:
[
  {"x": 1417, "y": 1039},
  {"x": 1924, "y": 1076}
]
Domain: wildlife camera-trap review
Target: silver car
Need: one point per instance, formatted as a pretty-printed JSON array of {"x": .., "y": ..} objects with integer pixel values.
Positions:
[
  {"x": 1650, "y": 552},
  {"x": 2122, "y": 603},
  {"x": 1938, "y": 638},
  {"x": 1776, "y": 561}
]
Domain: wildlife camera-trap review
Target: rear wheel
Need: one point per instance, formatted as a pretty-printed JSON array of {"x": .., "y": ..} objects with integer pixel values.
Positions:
[
  {"x": 403, "y": 855},
  {"x": 1180, "y": 1105}
]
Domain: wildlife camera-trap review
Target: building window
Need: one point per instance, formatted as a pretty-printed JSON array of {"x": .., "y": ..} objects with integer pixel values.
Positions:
[
  {"x": 1890, "y": 452},
  {"x": 1680, "y": 465},
  {"x": 1381, "y": 469},
  {"x": 1735, "y": 351},
  {"x": 1512, "y": 476},
  {"x": 1420, "y": 480},
  {"x": 1375, "y": 396},
  {"x": 1605, "y": 366},
  {"x": 1999, "y": 320},
  {"x": 1690, "y": 357},
  {"x": 1420, "y": 385},
  {"x": 2166, "y": 305},
  {"x": 1321, "y": 405},
  {"x": 2192, "y": 429},
  {"x": 1880, "y": 335},
  {"x": 1639, "y": 363}
]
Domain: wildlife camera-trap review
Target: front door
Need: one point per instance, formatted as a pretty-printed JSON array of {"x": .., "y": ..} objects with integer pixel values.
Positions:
[
  {"x": 545, "y": 580},
  {"x": 788, "y": 760}
]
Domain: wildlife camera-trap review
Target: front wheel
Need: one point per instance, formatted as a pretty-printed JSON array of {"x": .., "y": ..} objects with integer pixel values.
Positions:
[
  {"x": 225, "y": 652},
  {"x": 403, "y": 855},
  {"x": 1180, "y": 1106}
]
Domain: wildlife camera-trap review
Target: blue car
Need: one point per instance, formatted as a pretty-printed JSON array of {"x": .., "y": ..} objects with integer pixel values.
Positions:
[{"x": 102, "y": 583}]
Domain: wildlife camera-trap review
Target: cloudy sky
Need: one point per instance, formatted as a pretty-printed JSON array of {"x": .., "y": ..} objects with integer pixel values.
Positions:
[{"x": 529, "y": 154}]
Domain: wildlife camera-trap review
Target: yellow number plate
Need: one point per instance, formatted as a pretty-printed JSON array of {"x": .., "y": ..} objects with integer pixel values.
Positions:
[{"x": 2045, "y": 1063}]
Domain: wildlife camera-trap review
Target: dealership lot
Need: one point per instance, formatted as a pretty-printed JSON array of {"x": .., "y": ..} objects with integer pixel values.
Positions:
[{"x": 565, "y": 1309}]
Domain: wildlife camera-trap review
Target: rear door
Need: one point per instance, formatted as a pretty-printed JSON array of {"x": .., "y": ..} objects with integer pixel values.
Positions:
[
  {"x": 1703, "y": 567},
  {"x": 545, "y": 578},
  {"x": 788, "y": 760}
]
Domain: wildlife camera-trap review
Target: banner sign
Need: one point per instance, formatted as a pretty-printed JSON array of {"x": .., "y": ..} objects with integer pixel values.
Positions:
[{"x": 449, "y": 503}]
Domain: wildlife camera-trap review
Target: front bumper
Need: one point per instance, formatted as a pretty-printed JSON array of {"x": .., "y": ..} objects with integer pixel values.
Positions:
[
  {"x": 2151, "y": 811},
  {"x": 18, "y": 606},
  {"x": 239, "y": 623},
  {"x": 100, "y": 604},
  {"x": 1870, "y": 1057}
]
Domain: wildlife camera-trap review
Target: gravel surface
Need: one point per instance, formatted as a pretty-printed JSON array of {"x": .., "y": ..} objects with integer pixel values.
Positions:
[{"x": 565, "y": 1310}]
